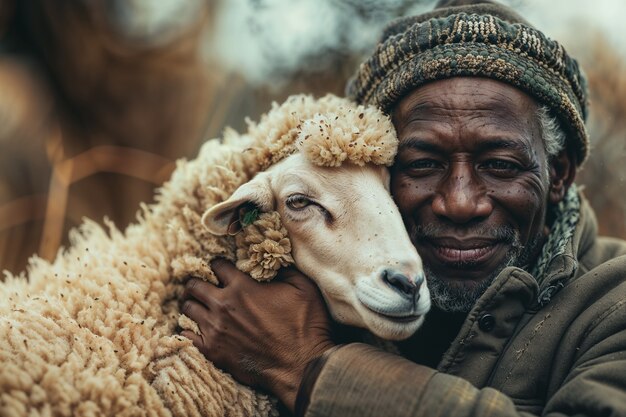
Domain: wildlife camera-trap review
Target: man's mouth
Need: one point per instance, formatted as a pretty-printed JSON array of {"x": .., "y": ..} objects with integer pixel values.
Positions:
[{"x": 458, "y": 253}]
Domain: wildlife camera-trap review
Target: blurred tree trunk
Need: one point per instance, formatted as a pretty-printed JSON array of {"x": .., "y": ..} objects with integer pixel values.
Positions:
[{"x": 76, "y": 90}]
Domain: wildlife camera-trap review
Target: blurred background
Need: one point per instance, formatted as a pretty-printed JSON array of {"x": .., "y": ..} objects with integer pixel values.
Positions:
[{"x": 98, "y": 98}]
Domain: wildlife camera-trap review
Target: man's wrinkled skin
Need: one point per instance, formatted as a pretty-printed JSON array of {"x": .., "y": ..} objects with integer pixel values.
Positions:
[
  {"x": 471, "y": 180},
  {"x": 473, "y": 185}
]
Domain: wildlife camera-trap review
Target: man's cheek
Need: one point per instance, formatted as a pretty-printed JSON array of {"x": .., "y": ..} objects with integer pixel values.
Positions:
[{"x": 402, "y": 197}]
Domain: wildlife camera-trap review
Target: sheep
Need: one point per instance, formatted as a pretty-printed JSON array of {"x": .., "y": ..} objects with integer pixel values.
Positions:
[{"x": 95, "y": 331}]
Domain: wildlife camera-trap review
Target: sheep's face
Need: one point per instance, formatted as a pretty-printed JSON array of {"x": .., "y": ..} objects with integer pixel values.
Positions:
[{"x": 347, "y": 235}]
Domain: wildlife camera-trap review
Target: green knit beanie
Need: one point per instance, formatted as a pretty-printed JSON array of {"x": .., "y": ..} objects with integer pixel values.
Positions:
[{"x": 478, "y": 39}]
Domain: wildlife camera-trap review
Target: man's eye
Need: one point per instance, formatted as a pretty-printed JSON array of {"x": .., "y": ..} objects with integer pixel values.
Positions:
[
  {"x": 424, "y": 164},
  {"x": 297, "y": 202},
  {"x": 500, "y": 165}
]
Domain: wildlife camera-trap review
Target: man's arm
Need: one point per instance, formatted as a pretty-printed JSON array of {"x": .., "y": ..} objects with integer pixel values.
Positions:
[{"x": 360, "y": 380}]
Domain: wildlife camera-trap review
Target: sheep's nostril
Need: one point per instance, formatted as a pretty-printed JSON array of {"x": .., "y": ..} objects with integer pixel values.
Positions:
[{"x": 400, "y": 282}]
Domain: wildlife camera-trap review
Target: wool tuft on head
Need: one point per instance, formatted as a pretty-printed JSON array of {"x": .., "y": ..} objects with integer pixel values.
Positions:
[{"x": 352, "y": 134}]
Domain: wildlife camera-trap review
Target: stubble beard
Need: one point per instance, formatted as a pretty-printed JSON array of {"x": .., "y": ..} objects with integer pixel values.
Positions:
[{"x": 454, "y": 297}]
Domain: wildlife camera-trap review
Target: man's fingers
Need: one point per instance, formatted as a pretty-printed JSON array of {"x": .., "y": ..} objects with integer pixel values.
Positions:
[
  {"x": 200, "y": 290},
  {"x": 294, "y": 277},
  {"x": 195, "y": 311},
  {"x": 226, "y": 272},
  {"x": 195, "y": 339},
  {"x": 290, "y": 273}
]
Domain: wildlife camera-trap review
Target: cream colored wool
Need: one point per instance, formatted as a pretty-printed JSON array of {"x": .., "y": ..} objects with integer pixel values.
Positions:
[{"x": 93, "y": 333}]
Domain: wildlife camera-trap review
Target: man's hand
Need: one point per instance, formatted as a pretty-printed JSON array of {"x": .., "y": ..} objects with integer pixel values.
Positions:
[{"x": 264, "y": 334}]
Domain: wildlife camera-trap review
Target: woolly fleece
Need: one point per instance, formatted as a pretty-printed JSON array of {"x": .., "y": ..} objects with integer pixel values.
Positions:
[{"x": 94, "y": 332}]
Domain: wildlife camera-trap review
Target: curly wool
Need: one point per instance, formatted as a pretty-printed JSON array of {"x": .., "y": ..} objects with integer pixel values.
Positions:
[
  {"x": 263, "y": 247},
  {"x": 94, "y": 332},
  {"x": 352, "y": 135}
]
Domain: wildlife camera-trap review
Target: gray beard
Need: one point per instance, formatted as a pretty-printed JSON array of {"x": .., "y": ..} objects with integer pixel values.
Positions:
[{"x": 456, "y": 298}]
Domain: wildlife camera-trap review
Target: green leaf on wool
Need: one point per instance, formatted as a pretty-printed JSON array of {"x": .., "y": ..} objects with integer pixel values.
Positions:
[{"x": 249, "y": 217}]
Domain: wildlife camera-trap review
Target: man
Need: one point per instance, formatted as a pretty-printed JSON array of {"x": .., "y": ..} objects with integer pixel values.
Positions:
[{"x": 530, "y": 305}]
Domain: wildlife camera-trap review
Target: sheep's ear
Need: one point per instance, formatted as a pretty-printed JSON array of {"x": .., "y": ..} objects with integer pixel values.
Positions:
[{"x": 222, "y": 218}]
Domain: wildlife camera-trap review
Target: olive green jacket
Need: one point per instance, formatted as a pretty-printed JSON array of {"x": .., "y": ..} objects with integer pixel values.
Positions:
[{"x": 558, "y": 350}]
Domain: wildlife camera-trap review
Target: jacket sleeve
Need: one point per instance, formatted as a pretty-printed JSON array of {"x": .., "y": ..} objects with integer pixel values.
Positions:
[{"x": 360, "y": 380}]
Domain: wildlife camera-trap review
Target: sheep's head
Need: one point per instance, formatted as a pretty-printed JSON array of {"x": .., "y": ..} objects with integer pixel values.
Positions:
[{"x": 345, "y": 232}]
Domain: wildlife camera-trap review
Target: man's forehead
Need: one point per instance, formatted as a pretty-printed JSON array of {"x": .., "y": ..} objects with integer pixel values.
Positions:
[
  {"x": 464, "y": 94},
  {"x": 473, "y": 113}
]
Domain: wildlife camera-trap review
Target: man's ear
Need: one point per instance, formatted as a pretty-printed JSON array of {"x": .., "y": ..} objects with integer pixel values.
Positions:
[
  {"x": 562, "y": 174},
  {"x": 222, "y": 218}
]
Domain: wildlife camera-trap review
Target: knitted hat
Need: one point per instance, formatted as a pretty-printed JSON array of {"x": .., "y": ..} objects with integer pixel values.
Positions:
[{"x": 483, "y": 40}]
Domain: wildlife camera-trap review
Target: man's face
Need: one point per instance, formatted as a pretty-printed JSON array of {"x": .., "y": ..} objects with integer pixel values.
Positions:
[{"x": 471, "y": 182}]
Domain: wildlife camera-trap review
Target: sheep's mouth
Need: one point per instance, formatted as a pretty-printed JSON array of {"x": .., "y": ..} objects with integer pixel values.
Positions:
[
  {"x": 394, "y": 316},
  {"x": 406, "y": 319},
  {"x": 389, "y": 306}
]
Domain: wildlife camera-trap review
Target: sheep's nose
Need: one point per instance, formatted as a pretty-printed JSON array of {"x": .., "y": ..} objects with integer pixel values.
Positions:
[{"x": 403, "y": 284}]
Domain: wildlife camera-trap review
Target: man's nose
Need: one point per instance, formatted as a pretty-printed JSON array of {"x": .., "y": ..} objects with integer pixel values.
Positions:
[{"x": 461, "y": 197}]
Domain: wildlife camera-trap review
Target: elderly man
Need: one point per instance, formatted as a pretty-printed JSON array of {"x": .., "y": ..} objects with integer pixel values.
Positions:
[{"x": 530, "y": 305}]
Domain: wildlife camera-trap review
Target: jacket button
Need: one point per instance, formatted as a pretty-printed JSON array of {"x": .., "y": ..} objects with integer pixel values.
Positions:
[{"x": 486, "y": 322}]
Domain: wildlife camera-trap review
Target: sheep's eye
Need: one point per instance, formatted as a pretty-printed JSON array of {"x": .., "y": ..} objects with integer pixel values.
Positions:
[{"x": 298, "y": 202}]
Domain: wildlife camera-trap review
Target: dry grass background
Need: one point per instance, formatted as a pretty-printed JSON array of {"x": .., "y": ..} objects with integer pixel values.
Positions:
[
  {"x": 604, "y": 174},
  {"x": 91, "y": 121}
]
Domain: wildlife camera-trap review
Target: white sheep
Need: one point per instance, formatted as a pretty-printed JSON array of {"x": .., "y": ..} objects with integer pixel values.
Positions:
[{"x": 94, "y": 332}]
